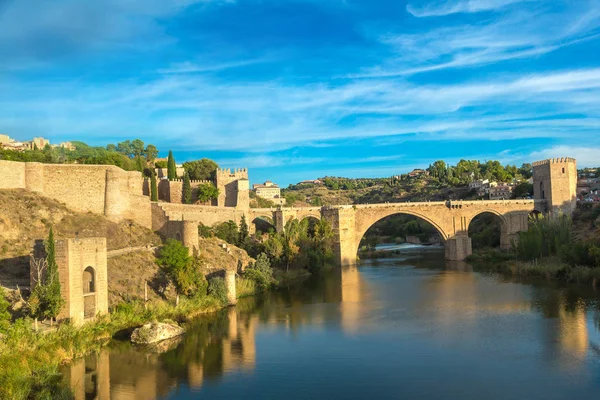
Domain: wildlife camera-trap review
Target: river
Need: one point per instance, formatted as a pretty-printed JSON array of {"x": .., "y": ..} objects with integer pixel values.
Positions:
[{"x": 407, "y": 327}]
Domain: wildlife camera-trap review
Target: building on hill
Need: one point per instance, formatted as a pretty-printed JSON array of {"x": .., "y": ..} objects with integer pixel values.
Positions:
[
  {"x": 5, "y": 139},
  {"x": 162, "y": 173},
  {"x": 500, "y": 192},
  {"x": 267, "y": 190},
  {"x": 417, "y": 172}
]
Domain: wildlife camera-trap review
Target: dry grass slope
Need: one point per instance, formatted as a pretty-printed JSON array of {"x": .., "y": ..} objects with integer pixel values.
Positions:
[{"x": 26, "y": 216}]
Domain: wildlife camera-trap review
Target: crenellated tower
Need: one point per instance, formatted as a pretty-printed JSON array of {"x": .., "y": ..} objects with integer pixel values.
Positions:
[
  {"x": 555, "y": 181},
  {"x": 233, "y": 188}
]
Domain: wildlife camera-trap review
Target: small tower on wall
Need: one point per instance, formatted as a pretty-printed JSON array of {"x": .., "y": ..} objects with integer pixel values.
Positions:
[
  {"x": 233, "y": 188},
  {"x": 555, "y": 181}
]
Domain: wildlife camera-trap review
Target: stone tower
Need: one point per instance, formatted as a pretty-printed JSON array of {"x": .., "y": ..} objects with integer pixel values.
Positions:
[
  {"x": 233, "y": 188},
  {"x": 82, "y": 273},
  {"x": 555, "y": 180}
]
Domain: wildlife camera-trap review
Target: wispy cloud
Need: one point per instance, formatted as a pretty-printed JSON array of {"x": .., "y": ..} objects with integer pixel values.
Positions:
[
  {"x": 447, "y": 7},
  {"x": 189, "y": 67},
  {"x": 527, "y": 31}
]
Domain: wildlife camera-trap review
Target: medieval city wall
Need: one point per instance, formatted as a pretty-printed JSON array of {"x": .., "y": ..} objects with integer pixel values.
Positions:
[
  {"x": 100, "y": 189},
  {"x": 555, "y": 180}
]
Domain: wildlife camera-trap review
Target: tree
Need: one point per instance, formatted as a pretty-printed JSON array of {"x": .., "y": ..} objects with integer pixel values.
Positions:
[
  {"x": 260, "y": 272},
  {"x": 139, "y": 163},
  {"x": 187, "y": 189},
  {"x": 171, "y": 167},
  {"x": 137, "y": 148},
  {"x": 175, "y": 261},
  {"x": 45, "y": 300},
  {"x": 206, "y": 192},
  {"x": 153, "y": 188},
  {"x": 201, "y": 170},
  {"x": 227, "y": 231},
  {"x": 111, "y": 147},
  {"x": 125, "y": 148},
  {"x": 151, "y": 153},
  {"x": 161, "y": 164},
  {"x": 54, "y": 301},
  {"x": 243, "y": 234}
]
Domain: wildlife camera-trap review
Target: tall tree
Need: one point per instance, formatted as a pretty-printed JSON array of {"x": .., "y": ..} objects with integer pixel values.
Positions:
[
  {"x": 139, "y": 163},
  {"x": 53, "y": 300},
  {"x": 171, "y": 167},
  {"x": 151, "y": 153},
  {"x": 125, "y": 148},
  {"x": 153, "y": 188},
  {"x": 187, "y": 189},
  {"x": 244, "y": 233},
  {"x": 137, "y": 147}
]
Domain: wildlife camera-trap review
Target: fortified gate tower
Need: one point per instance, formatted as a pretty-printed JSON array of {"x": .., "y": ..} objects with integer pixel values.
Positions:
[{"x": 555, "y": 180}]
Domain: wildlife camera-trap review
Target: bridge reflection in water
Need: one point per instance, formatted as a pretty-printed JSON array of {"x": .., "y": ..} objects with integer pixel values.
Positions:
[{"x": 447, "y": 305}]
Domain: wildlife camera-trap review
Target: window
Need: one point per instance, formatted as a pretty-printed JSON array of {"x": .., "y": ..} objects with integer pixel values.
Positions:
[
  {"x": 89, "y": 281},
  {"x": 563, "y": 170}
]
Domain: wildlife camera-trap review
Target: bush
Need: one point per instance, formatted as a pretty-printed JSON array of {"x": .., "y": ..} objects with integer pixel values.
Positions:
[
  {"x": 217, "y": 289},
  {"x": 260, "y": 272},
  {"x": 4, "y": 313}
]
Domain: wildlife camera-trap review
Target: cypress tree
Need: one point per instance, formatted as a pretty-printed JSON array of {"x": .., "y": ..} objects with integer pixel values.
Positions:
[
  {"x": 187, "y": 189},
  {"x": 139, "y": 163},
  {"x": 53, "y": 300},
  {"x": 153, "y": 188},
  {"x": 243, "y": 231},
  {"x": 171, "y": 167}
]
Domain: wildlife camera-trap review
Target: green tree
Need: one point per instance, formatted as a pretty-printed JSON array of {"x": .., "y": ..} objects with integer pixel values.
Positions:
[
  {"x": 171, "y": 167},
  {"x": 161, "y": 164},
  {"x": 176, "y": 263},
  {"x": 151, "y": 153},
  {"x": 125, "y": 148},
  {"x": 244, "y": 233},
  {"x": 54, "y": 301},
  {"x": 227, "y": 231},
  {"x": 201, "y": 170},
  {"x": 206, "y": 192},
  {"x": 260, "y": 272},
  {"x": 153, "y": 187},
  {"x": 187, "y": 189},
  {"x": 137, "y": 148},
  {"x": 139, "y": 163}
]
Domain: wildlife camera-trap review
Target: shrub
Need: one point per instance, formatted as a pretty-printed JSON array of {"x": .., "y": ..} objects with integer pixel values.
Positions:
[
  {"x": 217, "y": 289},
  {"x": 260, "y": 272}
]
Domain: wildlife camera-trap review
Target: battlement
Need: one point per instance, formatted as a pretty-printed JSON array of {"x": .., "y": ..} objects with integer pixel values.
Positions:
[
  {"x": 236, "y": 172},
  {"x": 560, "y": 160},
  {"x": 193, "y": 182}
]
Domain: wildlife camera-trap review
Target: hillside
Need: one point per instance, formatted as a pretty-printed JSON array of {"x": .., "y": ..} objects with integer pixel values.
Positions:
[{"x": 26, "y": 216}]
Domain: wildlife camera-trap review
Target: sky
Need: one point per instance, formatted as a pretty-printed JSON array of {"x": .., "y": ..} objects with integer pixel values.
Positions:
[{"x": 301, "y": 89}]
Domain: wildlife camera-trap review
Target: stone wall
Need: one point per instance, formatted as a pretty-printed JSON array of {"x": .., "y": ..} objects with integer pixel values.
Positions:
[
  {"x": 100, "y": 189},
  {"x": 172, "y": 191}
]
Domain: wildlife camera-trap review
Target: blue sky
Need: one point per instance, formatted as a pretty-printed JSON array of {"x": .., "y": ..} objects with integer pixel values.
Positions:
[{"x": 295, "y": 90}]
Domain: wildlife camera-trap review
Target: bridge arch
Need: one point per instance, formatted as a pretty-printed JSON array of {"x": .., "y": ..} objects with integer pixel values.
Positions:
[
  {"x": 364, "y": 225},
  {"x": 262, "y": 223},
  {"x": 489, "y": 239}
]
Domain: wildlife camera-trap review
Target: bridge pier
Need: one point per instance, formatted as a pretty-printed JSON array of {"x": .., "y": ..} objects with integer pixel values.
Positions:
[
  {"x": 458, "y": 248},
  {"x": 279, "y": 220}
]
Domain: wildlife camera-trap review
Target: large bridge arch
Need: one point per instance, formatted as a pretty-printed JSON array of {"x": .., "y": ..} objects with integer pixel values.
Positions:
[{"x": 363, "y": 225}]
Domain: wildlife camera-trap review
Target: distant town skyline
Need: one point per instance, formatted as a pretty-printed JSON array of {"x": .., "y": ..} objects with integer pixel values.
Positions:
[{"x": 302, "y": 89}]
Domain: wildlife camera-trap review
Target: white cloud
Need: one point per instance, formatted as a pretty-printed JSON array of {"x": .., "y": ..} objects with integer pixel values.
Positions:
[
  {"x": 447, "y": 7},
  {"x": 532, "y": 29}
]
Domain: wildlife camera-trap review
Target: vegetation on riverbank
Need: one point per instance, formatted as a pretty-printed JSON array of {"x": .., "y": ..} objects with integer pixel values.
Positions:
[{"x": 555, "y": 248}]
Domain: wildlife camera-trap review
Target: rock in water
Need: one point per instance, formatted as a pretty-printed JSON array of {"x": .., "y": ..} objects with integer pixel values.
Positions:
[{"x": 155, "y": 332}]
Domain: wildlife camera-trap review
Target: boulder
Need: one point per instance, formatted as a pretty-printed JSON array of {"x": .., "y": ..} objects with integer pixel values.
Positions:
[{"x": 155, "y": 332}]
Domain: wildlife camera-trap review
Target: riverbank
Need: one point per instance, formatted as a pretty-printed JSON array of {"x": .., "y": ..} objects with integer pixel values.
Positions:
[
  {"x": 503, "y": 262},
  {"x": 30, "y": 360}
]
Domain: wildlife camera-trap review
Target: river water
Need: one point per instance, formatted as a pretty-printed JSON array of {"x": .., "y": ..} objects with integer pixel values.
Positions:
[{"x": 408, "y": 327}]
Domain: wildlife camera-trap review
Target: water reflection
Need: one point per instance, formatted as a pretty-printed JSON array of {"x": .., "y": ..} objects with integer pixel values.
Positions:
[{"x": 414, "y": 309}]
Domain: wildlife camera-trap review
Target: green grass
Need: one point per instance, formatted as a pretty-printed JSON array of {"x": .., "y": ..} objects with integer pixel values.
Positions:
[{"x": 29, "y": 360}]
